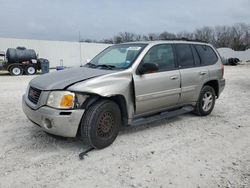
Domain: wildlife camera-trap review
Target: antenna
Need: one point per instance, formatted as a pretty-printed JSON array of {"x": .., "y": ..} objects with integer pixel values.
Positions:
[{"x": 80, "y": 47}]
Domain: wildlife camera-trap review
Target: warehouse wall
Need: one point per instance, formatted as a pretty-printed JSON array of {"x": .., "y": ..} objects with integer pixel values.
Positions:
[{"x": 56, "y": 51}]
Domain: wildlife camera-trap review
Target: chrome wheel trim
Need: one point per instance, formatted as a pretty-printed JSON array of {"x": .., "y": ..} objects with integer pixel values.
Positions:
[
  {"x": 16, "y": 71},
  {"x": 207, "y": 101}
]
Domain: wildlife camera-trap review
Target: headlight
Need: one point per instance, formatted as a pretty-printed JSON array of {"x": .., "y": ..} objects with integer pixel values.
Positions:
[{"x": 61, "y": 99}]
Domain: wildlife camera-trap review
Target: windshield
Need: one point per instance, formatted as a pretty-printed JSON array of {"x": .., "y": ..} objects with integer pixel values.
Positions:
[{"x": 117, "y": 57}]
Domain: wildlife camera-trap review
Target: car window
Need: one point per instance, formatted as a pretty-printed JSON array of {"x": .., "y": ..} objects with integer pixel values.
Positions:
[
  {"x": 162, "y": 55},
  {"x": 185, "y": 55},
  {"x": 207, "y": 54}
]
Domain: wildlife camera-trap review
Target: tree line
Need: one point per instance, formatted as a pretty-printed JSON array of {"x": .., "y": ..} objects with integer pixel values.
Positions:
[{"x": 236, "y": 36}]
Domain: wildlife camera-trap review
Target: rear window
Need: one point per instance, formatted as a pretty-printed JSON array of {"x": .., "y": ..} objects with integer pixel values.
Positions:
[{"x": 206, "y": 54}]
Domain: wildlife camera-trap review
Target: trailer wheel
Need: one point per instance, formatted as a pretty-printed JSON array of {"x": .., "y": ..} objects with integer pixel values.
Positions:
[
  {"x": 30, "y": 70},
  {"x": 16, "y": 70}
]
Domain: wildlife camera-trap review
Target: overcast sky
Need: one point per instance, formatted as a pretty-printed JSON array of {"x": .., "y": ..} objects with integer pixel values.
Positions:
[{"x": 98, "y": 19}]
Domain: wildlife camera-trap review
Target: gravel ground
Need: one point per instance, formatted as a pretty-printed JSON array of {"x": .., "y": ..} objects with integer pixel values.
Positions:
[{"x": 185, "y": 151}]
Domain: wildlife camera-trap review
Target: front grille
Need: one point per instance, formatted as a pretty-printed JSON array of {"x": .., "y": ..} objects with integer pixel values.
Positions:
[{"x": 34, "y": 95}]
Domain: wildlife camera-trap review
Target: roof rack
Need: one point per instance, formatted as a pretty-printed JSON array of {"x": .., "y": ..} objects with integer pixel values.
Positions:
[
  {"x": 194, "y": 40},
  {"x": 187, "y": 39}
]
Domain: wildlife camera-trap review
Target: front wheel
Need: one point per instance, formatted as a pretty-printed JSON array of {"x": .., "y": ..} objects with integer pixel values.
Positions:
[
  {"x": 205, "y": 104},
  {"x": 100, "y": 124}
]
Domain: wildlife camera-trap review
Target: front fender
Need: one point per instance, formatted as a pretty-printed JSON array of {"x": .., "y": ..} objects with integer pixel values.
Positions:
[{"x": 119, "y": 83}]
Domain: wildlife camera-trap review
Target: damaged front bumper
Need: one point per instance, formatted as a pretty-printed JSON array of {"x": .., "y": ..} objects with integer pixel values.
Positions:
[{"x": 58, "y": 122}]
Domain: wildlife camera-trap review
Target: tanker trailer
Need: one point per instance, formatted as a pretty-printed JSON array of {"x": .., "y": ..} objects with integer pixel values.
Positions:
[
  {"x": 2, "y": 59},
  {"x": 21, "y": 60}
]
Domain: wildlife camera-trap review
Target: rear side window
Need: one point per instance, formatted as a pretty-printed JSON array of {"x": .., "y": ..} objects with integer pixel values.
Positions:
[
  {"x": 207, "y": 54},
  {"x": 185, "y": 55}
]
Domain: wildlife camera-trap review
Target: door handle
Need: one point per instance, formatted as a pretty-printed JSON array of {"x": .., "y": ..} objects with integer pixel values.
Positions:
[
  {"x": 203, "y": 73},
  {"x": 174, "y": 77}
]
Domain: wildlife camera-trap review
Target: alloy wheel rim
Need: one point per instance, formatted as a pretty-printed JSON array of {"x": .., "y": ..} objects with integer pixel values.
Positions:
[{"x": 207, "y": 101}]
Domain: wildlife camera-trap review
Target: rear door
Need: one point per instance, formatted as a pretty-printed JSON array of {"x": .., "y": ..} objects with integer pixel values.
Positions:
[
  {"x": 159, "y": 90},
  {"x": 209, "y": 59},
  {"x": 192, "y": 74}
]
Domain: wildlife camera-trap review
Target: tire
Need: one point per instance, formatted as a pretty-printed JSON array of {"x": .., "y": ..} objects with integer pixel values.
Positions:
[
  {"x": 234, "y": 62},
  {"x": 16, "y": 70},
  {"x": 30, "y": 70},
  {"x": 100, "y": 124},
  {"x": 206, "y": 101},
  {"x": 237, "y": 60}
]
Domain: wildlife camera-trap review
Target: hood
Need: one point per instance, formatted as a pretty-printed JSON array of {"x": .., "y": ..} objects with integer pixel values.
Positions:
[{"x": 62, "y": 79}]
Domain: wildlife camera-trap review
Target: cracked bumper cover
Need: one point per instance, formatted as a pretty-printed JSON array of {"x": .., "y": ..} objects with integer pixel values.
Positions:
[{"x": 61, "y": 125}]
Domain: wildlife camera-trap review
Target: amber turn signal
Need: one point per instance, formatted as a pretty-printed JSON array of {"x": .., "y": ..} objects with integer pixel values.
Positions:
[{"x": 67, "y": 101}]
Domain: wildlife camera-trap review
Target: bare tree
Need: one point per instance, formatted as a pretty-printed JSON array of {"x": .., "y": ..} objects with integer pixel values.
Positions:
[
  {"x": 127, "y": 37},
  {"x": 107, "y": 41},
  {"x": 185, "y": 34},
  {"x": 205, "y": 34},
  {"x": 240, "y": 36},
  {"x": 222, "y": 36},
  {"x": 236, "y": 37},
  {"x": 153, "y": 36},
  {"x": 87, "y": 40},
  {"x": 117, "y": 39},
  {"x": 167, "y": 36}
]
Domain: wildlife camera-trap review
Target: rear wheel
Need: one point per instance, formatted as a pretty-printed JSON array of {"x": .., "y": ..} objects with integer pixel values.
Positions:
[
  {"x": 205, "y": 104},
  {"x": 101, "y": 123},
  {"x": 16, "y": 70},
  {"x": 30, "y": 70}
]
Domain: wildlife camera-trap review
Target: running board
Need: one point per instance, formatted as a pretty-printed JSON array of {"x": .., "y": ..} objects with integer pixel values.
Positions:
[{"x": 162, "y": 115}]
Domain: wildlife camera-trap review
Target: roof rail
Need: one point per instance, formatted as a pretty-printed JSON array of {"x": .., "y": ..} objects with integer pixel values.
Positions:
[{"x": 187, "y": 39}]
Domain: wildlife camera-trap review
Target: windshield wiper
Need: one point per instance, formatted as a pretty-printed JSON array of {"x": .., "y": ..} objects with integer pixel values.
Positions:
[
  {"x": 91, "y": 65},
  {"x": 106, "y": 66}
]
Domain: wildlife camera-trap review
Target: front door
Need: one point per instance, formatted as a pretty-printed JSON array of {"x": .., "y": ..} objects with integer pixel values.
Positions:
[{"x": 158, "y": 90}]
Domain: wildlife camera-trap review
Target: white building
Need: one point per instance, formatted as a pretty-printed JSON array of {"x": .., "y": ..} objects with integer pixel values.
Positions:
[
  {"x": 69, "y": 54},
  {"x": 229, "y": 53}
]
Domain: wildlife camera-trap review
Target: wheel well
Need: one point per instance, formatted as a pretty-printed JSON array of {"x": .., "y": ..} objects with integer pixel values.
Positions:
[
  {"x": 118, "y": 99},
  {"x": 121, "y": 102},
  {"x": 215, "y": 85},
  {"x": 9, "y": 67}
]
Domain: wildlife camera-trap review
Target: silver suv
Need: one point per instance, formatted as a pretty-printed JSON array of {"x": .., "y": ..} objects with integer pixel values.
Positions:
[{"x": 126, "y": 84}]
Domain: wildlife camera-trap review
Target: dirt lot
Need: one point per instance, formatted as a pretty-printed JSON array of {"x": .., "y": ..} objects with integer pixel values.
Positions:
[{"x": 185, "y": 151}]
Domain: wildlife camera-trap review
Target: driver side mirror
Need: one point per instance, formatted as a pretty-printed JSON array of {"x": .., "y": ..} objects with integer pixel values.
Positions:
[{"x": 148, "y": 68}]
